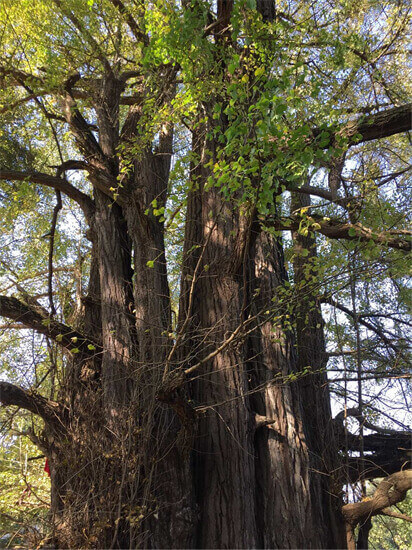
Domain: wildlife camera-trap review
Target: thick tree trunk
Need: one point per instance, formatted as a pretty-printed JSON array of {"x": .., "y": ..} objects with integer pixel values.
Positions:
[
  {"x": 198, "y": 439},
  {"x": 207, "y": 434},
  {"x": 325, "y": 476},
  {"x": 282, "y": 465},
  {"x": 135, "y": 473},
  {"x": 204, "y": 440},
  {"x": 253, "y": 485}
]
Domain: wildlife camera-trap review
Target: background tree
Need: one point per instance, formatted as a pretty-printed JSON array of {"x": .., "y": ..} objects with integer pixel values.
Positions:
[{"x": 183, "y": 187}]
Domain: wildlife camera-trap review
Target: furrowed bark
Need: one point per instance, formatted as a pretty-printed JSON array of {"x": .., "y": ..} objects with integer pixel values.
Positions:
[
  {"x": 118, "y": 334},
  {"x": 185, "y": 440},
  {"x": 224, "y": 463},
  {"x": 314, "y": 393},
  {"x": 282, "y": 466},
  {"x": 151, "y": 289},
  {"x": 244, "y": 269},
  {"x": 164, "y": 435}
]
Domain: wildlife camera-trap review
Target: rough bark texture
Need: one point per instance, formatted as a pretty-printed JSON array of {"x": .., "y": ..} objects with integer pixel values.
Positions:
[
  {"x": 209, "y": 436},
  {"x": 390, "y": 491},
  {"x": 326, "y": 481}
]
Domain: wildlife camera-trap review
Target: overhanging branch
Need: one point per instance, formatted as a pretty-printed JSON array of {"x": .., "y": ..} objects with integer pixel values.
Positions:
[
  {"x": 382, "y": 124},
  {"x": 50, "y": 411},
  {"x": 324, "y": 194},
  {"x": 60, "y": 184},
  {"x": 367, "y": 128},
  {"x": 334, "y": 229},
  {"x": 39, "y": 320}
]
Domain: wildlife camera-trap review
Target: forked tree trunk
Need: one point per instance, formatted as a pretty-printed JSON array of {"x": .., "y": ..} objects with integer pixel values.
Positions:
[
  {"x": 227, "y": 455},
  {"x": 133, "y": 473},
  {"x": 197, "y": 439},
  {"x": 206, "y": 434}
]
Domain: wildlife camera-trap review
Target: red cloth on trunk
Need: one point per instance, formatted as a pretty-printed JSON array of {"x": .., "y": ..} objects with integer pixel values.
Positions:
[{"x": 47, "y": 467}]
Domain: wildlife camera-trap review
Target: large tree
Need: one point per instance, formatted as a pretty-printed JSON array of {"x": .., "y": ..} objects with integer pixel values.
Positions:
[{"x": 170, "y": 146}]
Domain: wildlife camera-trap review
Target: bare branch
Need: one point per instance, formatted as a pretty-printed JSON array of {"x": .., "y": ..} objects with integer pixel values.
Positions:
[
  {"x": 50, "y": 411},
  {"x": 382, "y": 124},
  {"x": 38, "y": 319},
  {"x": 370, "y": 326},
  {"x": 334, "y": 229},
  {"x": 398, "y": 515},
  {"x": 390, "y": 491},
  {"x": 355, "y": 413},
  {"x": 60, "y": 184},
  {"x": 322, "y": 193}
]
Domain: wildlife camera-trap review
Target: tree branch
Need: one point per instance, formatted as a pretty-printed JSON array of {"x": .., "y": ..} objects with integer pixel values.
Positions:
[
  {"x": 20, "y": 77},
  {"x": 79, "y": 127},
  {"x": 375, "y": 466},
  {"x": 370, "y": 326},
  {"x": 56, "y": 210},
  {"x": 322, "y": 193},
  {"x": 334, "y": 229},
  {"x": 85, "y": 33},
  {"x": 263, "y": 421},
  {"x": 60, "y": 184},
  {"x": 398, "y": 515},
  {"x": 379, "y": 125},
  {"x": 355, "y": 413},
  {"x": 137, "y": 33},
  {"x": 50, "y": 411},
  {"x": 382, "y": 124},
  {"x": 390, "y": 491},
  {"x": 385, "y": 453},
  {"x": 38, "y": 319}
]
